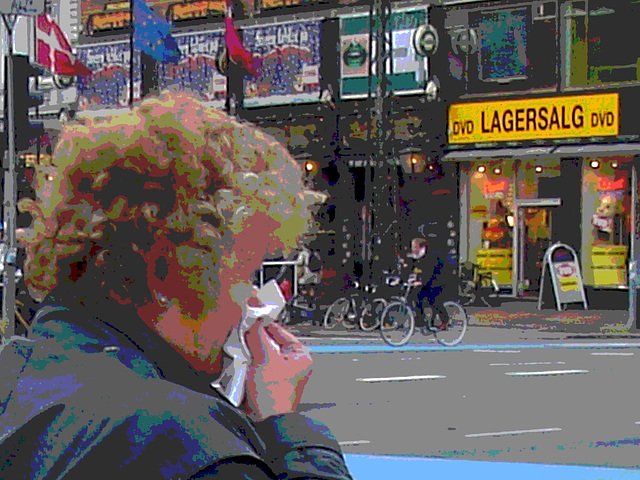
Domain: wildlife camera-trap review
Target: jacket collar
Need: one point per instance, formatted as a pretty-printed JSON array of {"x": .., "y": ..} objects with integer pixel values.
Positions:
[{"x": 107, "y": 326}]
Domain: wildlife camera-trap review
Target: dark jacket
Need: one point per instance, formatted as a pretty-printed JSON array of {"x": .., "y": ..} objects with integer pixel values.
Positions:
[{"x": 105, "y": 397}]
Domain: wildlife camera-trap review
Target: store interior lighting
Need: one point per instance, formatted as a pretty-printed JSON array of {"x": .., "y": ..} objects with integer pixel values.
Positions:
[
  {"x": 538, "y": 169},
  {"x": 510, "y": 221},
  {"x": 497, "y": 170},
  {"x": 482, "y": 169},
  {"x": 614, "y": 164},
  {"x": 594, "y": 164}
]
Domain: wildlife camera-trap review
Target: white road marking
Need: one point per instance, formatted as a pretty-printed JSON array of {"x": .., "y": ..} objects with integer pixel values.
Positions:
[
  {"x": 498, "y": 351},
  {"x": 598, "y": 344},
  {"x": 513, "y": 432},
  {"x": 525, "y": 363},
  {"x": 622, "y": 354},
  {"x": 399, "y": 379},
  {"x": 353, "y": 442},
  {"x": 546, "y": 372},
  {"x": 637, "y": 423},
  {"x": 341, "y": 339}
]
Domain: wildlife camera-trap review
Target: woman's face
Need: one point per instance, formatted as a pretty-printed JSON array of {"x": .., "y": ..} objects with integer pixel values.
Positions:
[{"x": 205, "y": 296}]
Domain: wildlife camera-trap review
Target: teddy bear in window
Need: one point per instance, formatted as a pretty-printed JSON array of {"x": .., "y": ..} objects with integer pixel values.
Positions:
[{"x": 604, "y": 217}]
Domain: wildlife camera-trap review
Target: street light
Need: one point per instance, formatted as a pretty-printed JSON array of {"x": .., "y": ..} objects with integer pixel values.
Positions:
[
  {"x": 310, "y": 167},
  {"x": 414, "y": 162}
]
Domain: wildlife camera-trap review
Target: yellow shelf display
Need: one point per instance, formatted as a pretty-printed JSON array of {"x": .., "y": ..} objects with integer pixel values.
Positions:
[
  {"x": 609, "y": 264},
  {"x": 497, "y": 261}
]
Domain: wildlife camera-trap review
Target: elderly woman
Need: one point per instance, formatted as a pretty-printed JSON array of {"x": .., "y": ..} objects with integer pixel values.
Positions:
[{"x": 141, "y": 251}]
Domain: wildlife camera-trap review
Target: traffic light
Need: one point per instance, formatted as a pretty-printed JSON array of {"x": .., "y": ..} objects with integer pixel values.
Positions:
[{"x": 24, "y": 98}]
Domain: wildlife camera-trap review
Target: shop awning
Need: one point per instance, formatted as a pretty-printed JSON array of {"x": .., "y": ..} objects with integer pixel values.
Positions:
[
  {"x": 546, "y": 151},
  {"x": 482, "y": 154},
  {"x": 598, "y": 150}
]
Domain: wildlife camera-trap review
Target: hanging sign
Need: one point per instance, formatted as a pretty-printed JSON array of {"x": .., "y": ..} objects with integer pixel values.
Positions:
[
  {"x": 108, "y": 84},
  {"x": 406, "y": 69},
  {"x": 290, "y": 71},
  {"x": 425, "y": 40},
  {"x": 198, "y": 70},
  {"x": 494, "y": 189}
]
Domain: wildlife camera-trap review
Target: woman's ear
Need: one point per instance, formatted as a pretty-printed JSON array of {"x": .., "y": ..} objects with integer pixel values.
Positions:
[{"x": 102, "y": 258}]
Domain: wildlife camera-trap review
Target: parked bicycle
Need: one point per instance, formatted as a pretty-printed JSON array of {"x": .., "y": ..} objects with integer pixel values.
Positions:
[
  {"x": 477, "y": 286},
  {"x": 356, "y": 310},
  {"x": 398, "y": 320}
]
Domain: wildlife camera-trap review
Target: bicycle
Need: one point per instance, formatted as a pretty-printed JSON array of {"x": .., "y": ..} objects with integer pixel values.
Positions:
[
  {"x": 477, "y": 285},
  {"x": 397, "y": 323},
  {"x": 354, "y": 311}
]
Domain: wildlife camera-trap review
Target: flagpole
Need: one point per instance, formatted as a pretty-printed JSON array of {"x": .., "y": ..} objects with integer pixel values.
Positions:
[{"x": 131, "y": 9}]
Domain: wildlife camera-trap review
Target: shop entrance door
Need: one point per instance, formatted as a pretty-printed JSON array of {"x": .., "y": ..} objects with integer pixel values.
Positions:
[{"x": 534, "y": 237}]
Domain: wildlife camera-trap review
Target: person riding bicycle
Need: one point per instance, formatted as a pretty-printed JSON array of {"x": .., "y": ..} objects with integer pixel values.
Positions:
[
  {"x": 309, "y": 267},
  {"x": 435, "y": 289}
]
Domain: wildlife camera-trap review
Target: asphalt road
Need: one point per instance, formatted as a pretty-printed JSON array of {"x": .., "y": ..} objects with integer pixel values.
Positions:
[{"x": 539, "y": 400}]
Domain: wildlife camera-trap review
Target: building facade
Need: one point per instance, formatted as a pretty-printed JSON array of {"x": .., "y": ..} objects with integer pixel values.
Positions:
[
  {"x": 315, "y": 94},
  {"x": 542, "y": 125}
]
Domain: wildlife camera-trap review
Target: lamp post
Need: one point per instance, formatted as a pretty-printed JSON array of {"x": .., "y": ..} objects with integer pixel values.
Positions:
[{"x": 380, "y": 188}]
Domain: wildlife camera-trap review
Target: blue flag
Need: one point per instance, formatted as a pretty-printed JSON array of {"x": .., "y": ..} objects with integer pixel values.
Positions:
[{"x": 151, "y": 34}]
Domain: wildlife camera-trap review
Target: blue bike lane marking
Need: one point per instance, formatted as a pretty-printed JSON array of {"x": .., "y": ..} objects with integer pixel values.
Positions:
[
  {"x": 379, "y": 467},
  {"x": 468, "y": 346}
]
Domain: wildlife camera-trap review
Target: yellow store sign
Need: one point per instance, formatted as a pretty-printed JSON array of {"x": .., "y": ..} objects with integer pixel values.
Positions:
[{"x": 535, "y": 118}]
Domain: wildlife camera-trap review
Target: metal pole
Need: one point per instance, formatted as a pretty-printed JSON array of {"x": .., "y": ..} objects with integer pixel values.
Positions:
[
  {"x": 378, "y": 194},
  {"x": 633, "y": 261},
  {"x": 132, "y": 19},
  {"x": 10, "y": 198}
]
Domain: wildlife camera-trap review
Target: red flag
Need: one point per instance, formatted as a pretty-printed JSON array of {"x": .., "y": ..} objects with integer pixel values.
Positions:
[
  {"x": 237, "y": 53},
  {"x": 54, "y": 51}
]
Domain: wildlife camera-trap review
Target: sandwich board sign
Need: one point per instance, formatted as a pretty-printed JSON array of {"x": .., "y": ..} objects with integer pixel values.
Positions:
[{"x": 566, "y": 279}]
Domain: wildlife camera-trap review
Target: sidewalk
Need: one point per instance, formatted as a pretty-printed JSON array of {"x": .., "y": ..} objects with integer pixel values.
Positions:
[
  {"x": 522, "y": 318},
  {"x": 524, "y": 314}
]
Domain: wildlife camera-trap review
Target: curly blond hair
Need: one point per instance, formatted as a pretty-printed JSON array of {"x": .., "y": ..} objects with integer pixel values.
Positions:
[{"x": 168, "y": 182}]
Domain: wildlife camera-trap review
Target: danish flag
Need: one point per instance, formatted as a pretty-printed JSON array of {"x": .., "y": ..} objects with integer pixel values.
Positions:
[{"x": 54, "y": 51}]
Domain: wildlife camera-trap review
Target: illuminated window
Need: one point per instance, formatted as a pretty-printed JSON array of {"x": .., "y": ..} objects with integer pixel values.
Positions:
[
  {"x": 598, "y": 47},
  {"x": 502, "y": 38}
]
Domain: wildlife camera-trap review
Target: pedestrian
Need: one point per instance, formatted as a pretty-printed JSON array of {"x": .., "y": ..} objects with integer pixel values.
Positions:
[{"x": 141, "y": 252}]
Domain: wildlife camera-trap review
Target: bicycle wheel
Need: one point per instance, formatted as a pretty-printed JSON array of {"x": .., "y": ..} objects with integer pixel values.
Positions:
[
  {"x": 336, "y": 312},
  {"x": 456, "y": 327},
  {"x": 370, "y": 318},
  {"x": 397, "y": 324}
]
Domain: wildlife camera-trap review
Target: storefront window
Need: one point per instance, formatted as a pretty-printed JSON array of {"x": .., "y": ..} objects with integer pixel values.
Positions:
[
  {"x": 598, "y": 46},
  {"x": 606, "y": 221},
  {"x": 533, "y": 173},
  {"x": 491, "y": 219},
  {"x": 502, "y": 37}
]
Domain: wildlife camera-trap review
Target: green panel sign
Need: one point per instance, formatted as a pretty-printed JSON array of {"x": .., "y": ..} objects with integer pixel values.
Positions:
[{"x": 406, "y": 69}]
